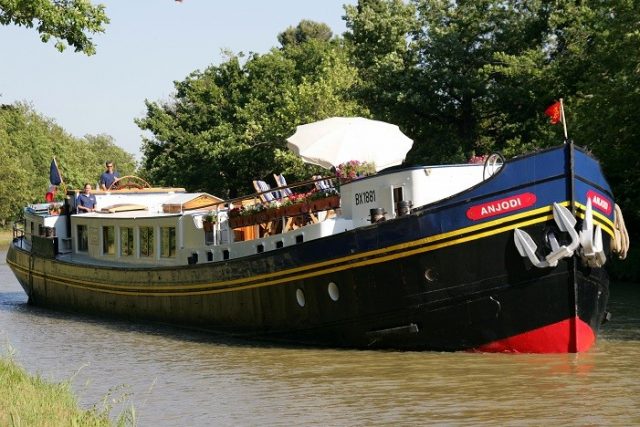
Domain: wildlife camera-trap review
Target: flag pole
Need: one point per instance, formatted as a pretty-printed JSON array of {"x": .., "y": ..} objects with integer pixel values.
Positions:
[
  {"x": 564, "y": 122},
  {"x": 62, "y": 183}
]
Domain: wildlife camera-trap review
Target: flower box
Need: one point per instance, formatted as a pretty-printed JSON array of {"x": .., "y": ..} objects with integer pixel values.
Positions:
[
  {"x": 326, "y": 203},
  {"x": 236, "y": 221},
  {"x": 276, "y": 213},
  {"x": 261, "y": 217},
  {"x": 295, "y": 209}
]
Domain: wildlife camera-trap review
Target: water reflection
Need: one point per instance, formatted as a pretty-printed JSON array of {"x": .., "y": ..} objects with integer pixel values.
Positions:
[{"x": 180, "y": 377}]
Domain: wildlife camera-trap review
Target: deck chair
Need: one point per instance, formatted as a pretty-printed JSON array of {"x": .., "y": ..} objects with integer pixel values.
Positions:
[
  {"x": 322, "y": 184},
  {"x": 286, "y": 191},
  {"x": 266, "y": 196}
]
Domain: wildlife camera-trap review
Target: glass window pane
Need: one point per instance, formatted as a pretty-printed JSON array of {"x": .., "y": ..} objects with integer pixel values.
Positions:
[
  {"x": 83, "y": 240},
  {"x": 167, "y": 242},
  {"x": 108, "y": 241},
  {"x": 127, "y": 247},
  {"x": 147, "y": 244}
]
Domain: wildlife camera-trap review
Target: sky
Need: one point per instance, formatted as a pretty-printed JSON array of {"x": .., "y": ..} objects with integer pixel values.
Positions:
[{"x": 148, "y": 45}]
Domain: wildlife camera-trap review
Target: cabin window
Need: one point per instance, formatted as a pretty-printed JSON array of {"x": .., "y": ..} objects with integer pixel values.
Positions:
[
  {"x": 127, "y": 247},
  {"x": 31, "y": 228},
  {"x": 146, "y": 242},
  {"x": 398, "y": 194},
  {"x": 108, "y": 240},
  {"x": 208, "y": 237},
  {"x": 168, "y": 242},
  {"x": 83, "y": 239}
]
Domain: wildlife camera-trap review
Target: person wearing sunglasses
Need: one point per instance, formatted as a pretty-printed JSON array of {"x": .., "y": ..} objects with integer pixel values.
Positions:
[{"x": 109, "y": 176}]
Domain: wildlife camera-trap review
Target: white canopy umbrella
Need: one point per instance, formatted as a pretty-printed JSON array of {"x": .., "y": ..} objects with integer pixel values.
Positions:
[{"x": 337, "y": 140}]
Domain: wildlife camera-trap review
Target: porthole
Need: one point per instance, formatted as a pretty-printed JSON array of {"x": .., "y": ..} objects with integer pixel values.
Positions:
[
  {"x": 430, "y": 275},
  {"x": 334, "y": 292},
  {"x": 300, "y": 297}
]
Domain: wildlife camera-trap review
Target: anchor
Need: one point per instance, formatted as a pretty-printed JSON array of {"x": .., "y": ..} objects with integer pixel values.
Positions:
[
  {"x": 592, "y": 252},
  {"x": 566, "y": 223}
]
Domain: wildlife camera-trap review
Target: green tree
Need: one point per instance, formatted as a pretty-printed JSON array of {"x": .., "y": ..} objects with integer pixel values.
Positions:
[
  {"x": 28, "y": 142},
  {"x": 228, "y": 124},
  {"x": 306, "y": 30},
  {"x": 431, "y": 67},
  {"x": 69, "y": 22},
  {"x": 605, "y": 47}
]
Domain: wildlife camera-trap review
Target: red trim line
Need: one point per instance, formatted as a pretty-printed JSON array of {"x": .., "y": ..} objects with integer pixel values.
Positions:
[{"x": 567, "y": 336}]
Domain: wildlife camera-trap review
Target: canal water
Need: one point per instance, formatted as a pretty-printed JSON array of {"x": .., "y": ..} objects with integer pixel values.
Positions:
[{"x": 175, "y": 377}]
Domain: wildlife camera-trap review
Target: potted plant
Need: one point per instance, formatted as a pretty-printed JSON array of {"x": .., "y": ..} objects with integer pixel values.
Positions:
[
  {"x": 209, "y": 219},
  {"x": 354, "y": 169},
  {"x": 296, "y": 204},
  {"x": 236, "y": 215},
  {"x": 255, "y": 214},
  {"x": 324, "y": 200},
  {"x": 275, "y": 210},
  {"x": 54, "y": 209}
]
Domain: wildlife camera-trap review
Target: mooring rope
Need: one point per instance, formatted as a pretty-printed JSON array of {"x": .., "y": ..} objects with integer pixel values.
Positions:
[{"x": 620, "y": 242}]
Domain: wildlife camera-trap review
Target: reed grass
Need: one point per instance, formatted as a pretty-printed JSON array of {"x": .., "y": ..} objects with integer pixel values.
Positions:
[{"x": 27, "y": 400}]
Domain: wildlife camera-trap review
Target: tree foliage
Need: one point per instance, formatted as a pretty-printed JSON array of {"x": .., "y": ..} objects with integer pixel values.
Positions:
[
  {"x": 69, "y": 22},
  {"x": 305, "y": 31},
  {"x": 29, "y": 141},
  {"x": 433, "y": 67},
  {"x": 228, "y": 124}
]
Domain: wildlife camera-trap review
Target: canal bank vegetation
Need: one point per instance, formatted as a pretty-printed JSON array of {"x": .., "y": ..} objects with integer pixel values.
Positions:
[{"x": 27, "y": 400}]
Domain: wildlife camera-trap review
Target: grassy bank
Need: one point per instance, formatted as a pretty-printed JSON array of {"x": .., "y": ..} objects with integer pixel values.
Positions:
[{"x": 29, "y": 400}]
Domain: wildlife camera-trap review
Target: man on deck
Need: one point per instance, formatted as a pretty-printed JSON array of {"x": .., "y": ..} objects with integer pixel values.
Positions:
[{"x": 109, "y": 176}]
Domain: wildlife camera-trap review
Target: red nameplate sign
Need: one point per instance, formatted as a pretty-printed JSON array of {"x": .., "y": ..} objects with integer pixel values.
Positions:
[
  {"x": 599, "y": 202},
  {"x": 499, "y": 207}
]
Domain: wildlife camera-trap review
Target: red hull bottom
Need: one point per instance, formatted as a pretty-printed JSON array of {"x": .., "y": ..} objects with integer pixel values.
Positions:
[{"x": 567, "y": 336}]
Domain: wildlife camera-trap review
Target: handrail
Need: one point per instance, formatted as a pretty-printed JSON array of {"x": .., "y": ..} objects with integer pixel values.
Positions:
[
  {"x": 256, "y": 196},
  {"x": 116, "y": 184},
  {"x": 252, "y": 196}
]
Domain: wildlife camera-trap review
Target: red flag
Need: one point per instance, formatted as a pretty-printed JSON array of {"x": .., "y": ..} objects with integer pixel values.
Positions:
[
  {"x": 554, "y": 112},
  {"x": 51, "y": 194}
]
